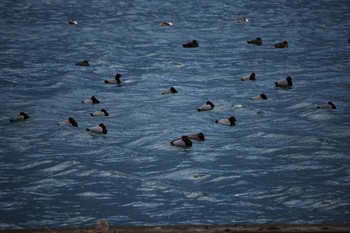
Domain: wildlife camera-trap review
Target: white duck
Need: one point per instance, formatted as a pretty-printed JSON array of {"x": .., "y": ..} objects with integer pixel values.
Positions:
[
  {"x": 91, "y": 100},
  {"x": 184, "y": 141},
  {"x": 206, "y": 107},
  {"x": 103, "y": 112},
  {"x": 101, "y": 129},
  {"x": 230, "y": 121}
]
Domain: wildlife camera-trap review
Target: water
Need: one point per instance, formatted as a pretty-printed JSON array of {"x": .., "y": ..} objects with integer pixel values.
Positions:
[{"x": 284, "y": 162}]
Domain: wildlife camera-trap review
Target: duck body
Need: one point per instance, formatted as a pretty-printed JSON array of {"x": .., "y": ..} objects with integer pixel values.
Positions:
[
  {"x": 243, "y": 20},
  {"x": 184, "y": 141},
  {"x": 262, "y": 96},
  {"x": 284, "y": 83},
  {"x": 250, "y": 77},
  {"x": 116, "y": 80},
  {"x": 329, "y": 105},
  {"x": 197, "y": 136},
  {"x": 102, "y": 113},
  {"x": 191, "y": 44},
  {"x": 72, "y": 22},
  {"x": 166, "y": 24},
  {"x": 281, "y": 45},
  {"x": 70, "y": 121},
  {"x": 100, "y": 129},
  {"x": 206, "y": 107},
  {"x": 171, "y": 90},
  {"x": 230, "y": 121},
  {"x": 256, "y": 41},
  {"x": 83, "y": 63},
  {"x": 21, "y": 117},
  {"x": 92, "y": 100}
]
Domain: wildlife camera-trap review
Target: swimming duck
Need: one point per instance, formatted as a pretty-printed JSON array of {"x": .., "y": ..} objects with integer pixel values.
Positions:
[
  {"x": 103, "y": 112},
  {"x": 281, "y": 45},
  {"x": 259, "y": 97},
  {"x": 166, "y": 24},
  {"x": 92, "y": 100},
  {"x": 191, "y": 44},
  {"x": 197, "y": 136},
  {"x": 101, "y": 129},
  {"x": 243, "y": 20},
  {"x": 72, "y": 22},
  {"x": 284, "y": 83},
  {"x": 230, "y": 121},
  {"x": 249, "y": 77},
  {"x": 116, "y": 80},
  {"x": 328, "y": 105},
  {"x": 184, "y": 141},
  {"x": 257, "y": 41},
  {"x": 70, "y": 122},
  {"x": 207, "y": 106},
  {"x": 21, "y": 117},
  {"x": 83, "y": 63},
  {"x": 171, "y": 90}
]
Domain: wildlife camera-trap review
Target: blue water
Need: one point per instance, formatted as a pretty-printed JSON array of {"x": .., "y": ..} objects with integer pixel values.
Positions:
[{"x": 285, "y": 161}]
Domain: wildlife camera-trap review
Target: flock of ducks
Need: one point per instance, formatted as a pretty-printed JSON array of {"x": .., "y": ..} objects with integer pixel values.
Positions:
[
  {"x": 100, "y": 128},
  {"x": 258, "y": 41},
  {"x": 185, "y": 140}
]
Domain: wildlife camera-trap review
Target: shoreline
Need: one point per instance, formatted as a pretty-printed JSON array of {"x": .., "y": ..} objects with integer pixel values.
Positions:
[{"x": 252, "y": 228}]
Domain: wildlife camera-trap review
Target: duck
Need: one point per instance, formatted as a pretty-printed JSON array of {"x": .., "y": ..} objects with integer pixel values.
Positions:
[
  {"x": 184, "y": 141},
  {"x": 329, "y": 105},
  {"x": 21, "y": 117},
  {"x": 256, "y": 41},
  {"x": 284, "y": 83},
  {"x": 243, "y": 20},
  {"x": 103, "y": 112},
  {"x": 100, "y": 129},
  {"x": 72, "y": 22},
  {"x": 207, "y": 106},
  {"x": 166, "y": 24},
  {"x": 92, "y": 100},
  {"x": 281, "y": 45},
  {"x": 262, "y": 96},
  {"x": 230, "y": 121},
  {"x": 83, "y": 63},
  {"x": 197, "y": 136},
  {"x": 116, "y": 80},
  {"x": 171, "y": 90},
  {"x": 191, "y": 44},
  {"x": 71, "y": 121},
  {"x": 249, "y": 77}
]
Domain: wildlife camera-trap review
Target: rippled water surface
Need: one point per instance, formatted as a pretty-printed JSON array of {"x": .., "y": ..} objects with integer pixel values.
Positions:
[{"x": 285, "y": 161}]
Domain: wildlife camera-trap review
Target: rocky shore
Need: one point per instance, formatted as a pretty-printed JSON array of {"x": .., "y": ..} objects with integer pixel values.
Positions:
[{"x": 103, "y": 227}]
